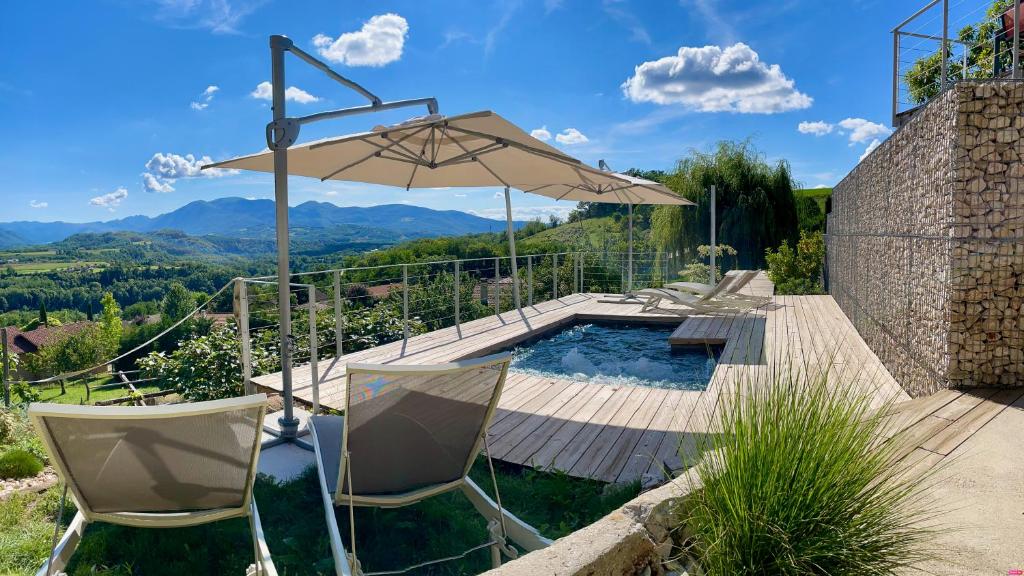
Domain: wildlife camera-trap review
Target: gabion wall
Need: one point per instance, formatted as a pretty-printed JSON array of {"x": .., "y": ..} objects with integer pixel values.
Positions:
[{"x": 926, "y": 242}]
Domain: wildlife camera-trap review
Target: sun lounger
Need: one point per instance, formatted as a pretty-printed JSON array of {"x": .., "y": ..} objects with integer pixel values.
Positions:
[
  {"x": 155, "y": 466},
  {"x": 410, "y": 433},
  {"x": 706, "y": 304}
]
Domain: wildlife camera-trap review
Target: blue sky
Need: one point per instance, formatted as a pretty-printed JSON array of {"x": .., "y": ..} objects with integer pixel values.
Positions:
[{"x": 104, "y": 101}]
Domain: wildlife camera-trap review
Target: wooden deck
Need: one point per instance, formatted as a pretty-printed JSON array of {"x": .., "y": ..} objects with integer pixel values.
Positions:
[{"x": 621, "y": 433}]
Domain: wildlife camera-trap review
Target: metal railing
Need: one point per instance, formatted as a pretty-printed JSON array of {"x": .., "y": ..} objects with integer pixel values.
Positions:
[
  {"x": 345, "y": 310},
  {"x": 945, "y": 42}
]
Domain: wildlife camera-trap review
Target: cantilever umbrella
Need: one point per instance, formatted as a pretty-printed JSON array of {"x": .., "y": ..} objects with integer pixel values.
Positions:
[
  {"x": 626, "y": 189},
  {"x": 469, "y": 150}
]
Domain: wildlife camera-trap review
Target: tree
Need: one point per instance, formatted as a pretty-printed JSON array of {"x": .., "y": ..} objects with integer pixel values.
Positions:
[
  {"x": 178, "y": 303},
  {"x": 110, "y": 325},
  {"x": 88, "y": 312},
  {"x": 42, "y": 314},
  {"x": 755, "y": 207}
]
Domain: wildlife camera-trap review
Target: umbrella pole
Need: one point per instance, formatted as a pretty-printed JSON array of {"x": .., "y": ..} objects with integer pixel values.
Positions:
[
  {"x": 629, "y": 273},
  {"x": 289, "y": 424},
  {"x": 512, "y": 250}
]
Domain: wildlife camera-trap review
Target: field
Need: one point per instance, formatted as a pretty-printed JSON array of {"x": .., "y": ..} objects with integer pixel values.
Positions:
[
  {"x": 52, "y": 266},
  {"x": 818, "y": 194}
]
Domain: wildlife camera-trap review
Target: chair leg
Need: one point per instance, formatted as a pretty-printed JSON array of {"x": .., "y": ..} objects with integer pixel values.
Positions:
[
  {"x": 264, "y": 563},
  {"x": 520, "y": 532},
  {"x": 342, "y": 563},
  {"x": 65, "y": 548}
]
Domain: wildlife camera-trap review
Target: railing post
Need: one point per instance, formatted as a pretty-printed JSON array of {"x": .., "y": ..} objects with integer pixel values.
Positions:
[
  {"x": 554, "y": 276},
  {"x": 458, "y": 298},
  {"x": 6, "y": 373},
  {"x": 529, "y": 278},
  {"x": 497, "y": 286},
  {"x": 243, "y": 335},
  {"x": 944, "y": 63},
  {"x": 314, "y": 367},
  {"x": 339, "y": 317},
  {"x": 895, "y": 75},
  {"x": 576, "y": 272},
  {"x": 405, "y": 300},
  {"x": 1016, "y": 39}
]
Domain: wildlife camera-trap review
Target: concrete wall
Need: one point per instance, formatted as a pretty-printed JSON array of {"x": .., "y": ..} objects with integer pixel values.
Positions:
[{"x": 926, "y": 242}]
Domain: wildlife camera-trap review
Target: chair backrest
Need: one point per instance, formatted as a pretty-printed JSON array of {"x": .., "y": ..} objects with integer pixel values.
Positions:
[
  {"x": 412, "y": 427},
  {"x": 723, "y": 286},
  {"x": 184, "y": 458},
  {"x": 741, "y": 279}
]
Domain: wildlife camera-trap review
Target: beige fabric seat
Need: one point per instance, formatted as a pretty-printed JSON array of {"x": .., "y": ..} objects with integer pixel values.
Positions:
[
  {"x": 156, "y": 466},
  {"x": 409, "y": 433}
]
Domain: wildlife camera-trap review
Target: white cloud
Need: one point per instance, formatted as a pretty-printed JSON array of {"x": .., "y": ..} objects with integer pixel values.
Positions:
[
  {"x": 552, "y": 5},
  {"x": 111, "y": 200},
  {"x": 871, "y": 148},
  {"x": 819, "y": 128},
  {"x": 818, "y": 186},
  {"x": 541, "y": 133},
  {"x": 571, "y": 136},
  {"x": 862, "y": 130},
  {"x": 205, "y": 98},
  {"x": 163, "y": 170},
  {"x": 712, "y": 79},
  {"x": 37, "y": 204},
  {"x": 458, "y": 195},
  {"x": 265, "y": 91},
  {"x": 380, "y": 41},
  {"x": 153, "y": 184}
]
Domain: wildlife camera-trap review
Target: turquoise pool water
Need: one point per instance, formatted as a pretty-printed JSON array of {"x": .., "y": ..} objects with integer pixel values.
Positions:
[{"x": 616, "y": 354}]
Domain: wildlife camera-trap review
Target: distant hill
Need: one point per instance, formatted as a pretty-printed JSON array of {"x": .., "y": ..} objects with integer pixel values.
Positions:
[{"x": 241, "y": 218}]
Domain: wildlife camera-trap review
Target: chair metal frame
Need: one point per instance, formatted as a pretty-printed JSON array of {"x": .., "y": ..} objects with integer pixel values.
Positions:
[
  {"x": 501, "y": 522},
  {"x": 66, "y": 546}
]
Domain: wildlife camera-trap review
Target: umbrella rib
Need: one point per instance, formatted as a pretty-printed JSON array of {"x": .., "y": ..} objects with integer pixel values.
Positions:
[
  {"x": 571, "y": 188},
  {"x": 423, "y": 150},
  {"x": 481, "y": 162},
  {"x": 478, "y": 152},
  {"x": 372, "y": 154}
]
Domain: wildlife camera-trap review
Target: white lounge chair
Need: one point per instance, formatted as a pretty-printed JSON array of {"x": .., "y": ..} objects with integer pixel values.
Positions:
[
  {"x": 155, "y": 466},
  {"x": 711, "y": 303},
  {"x": 409, "y": 433},
  {"x": 730, "y": 283}
]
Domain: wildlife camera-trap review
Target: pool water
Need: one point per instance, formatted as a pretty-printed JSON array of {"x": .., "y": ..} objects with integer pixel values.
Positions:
[{"x": 616, "y": 354}]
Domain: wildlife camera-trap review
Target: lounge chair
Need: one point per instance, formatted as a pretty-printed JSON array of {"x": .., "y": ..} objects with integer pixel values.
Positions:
[
  {"x": 730, "y": 283},
  {"x": 409, "y": 433},
  {"x": 711, "y": 303},
  {"x": 155, "y": 466}
]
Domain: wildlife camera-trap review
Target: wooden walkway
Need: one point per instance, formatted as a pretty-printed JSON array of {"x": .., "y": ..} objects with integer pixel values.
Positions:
[{"x": 621, "y": 433}]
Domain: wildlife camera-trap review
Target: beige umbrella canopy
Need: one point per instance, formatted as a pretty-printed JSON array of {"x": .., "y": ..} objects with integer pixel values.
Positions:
[
  {"x": 477, "y": 149},
  {"x": 627, "y": 190}
]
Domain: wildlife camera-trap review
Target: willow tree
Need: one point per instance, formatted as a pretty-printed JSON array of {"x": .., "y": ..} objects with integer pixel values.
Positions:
[{"x": 755, "y": 207}]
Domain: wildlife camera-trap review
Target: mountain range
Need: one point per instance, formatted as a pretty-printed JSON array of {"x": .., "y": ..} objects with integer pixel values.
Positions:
[{"x": 242, "y": 218}]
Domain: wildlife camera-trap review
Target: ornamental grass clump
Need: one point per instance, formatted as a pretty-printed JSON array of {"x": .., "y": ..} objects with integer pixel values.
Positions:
[{"x": 797, "y": 482}]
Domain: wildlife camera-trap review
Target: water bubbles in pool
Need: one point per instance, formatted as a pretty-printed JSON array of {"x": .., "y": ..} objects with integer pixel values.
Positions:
[{"x": 616, "y": 355}]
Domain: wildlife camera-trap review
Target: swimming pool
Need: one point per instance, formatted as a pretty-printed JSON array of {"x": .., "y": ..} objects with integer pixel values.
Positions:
[{"x": 616, "y": 354}]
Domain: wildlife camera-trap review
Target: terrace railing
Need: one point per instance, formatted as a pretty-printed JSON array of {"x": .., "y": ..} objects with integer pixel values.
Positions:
[
  {"x": 344, "y": 310},
  {"x": 974, "y": 44}
]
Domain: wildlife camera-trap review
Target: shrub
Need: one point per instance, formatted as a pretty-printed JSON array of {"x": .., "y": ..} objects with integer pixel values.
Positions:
[
  {"x": 202, "y": 368},
  {"x": 798, "y": 272},
  {"x": 795, "y": 485},
  {"x": 19, "y": 463}
]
